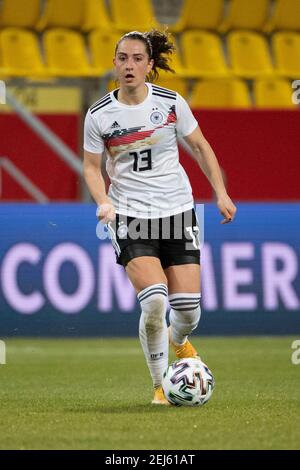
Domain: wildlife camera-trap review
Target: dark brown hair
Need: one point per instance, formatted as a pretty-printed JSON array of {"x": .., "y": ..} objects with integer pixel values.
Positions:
[{"x": 158, "y": 47}]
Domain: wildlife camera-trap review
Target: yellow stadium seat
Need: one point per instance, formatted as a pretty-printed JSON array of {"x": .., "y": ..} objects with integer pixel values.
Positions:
[
  {"x": 174, "y": 83},
  {"x": 286, "y": 15},
  {"x": 203, "y": 55},
  {"x": 66, "y": 13},
  {"x": 136, "y": 15},
  {"x": 249, "y": 54},
  {"x": 65, "y": 54},
  {"x": 96, "y": 17},
  {"x": 286, "y": 50},
  {"x": 202, "y": 14},
  {"x": 102, "y": 47},
  {"x": 21, "y": 55},
  {"x": 3, "y": 72},
  {"x": 273, "y": 93},
  {"x": 221, "y": 93},
  {"x": 19, "y": 13},
  {"x": 245, "y": 14},
  {"x": 77, "y": 14}
]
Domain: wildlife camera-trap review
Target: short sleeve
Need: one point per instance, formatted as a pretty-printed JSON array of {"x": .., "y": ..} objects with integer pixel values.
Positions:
[
  {"x": 186, "y": 121},
  {"x": 93, "y": 141}
]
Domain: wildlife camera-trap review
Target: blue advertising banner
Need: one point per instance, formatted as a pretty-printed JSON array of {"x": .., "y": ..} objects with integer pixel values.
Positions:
[{"x": 58, "y": 275}]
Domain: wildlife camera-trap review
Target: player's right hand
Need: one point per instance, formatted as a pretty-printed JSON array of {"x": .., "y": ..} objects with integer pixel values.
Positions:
[{"x": 106, "y": 213}]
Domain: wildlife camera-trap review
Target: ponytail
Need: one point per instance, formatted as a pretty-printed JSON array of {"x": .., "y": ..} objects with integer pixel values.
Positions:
[{"x": 162, "y": 48}]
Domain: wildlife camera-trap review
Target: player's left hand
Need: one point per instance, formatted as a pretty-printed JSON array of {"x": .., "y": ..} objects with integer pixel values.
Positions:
[{"x": 227, "y": 208}]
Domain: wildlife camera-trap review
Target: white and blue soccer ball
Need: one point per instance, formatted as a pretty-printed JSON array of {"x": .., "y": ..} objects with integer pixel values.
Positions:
[{"x": 188, "y": 382}]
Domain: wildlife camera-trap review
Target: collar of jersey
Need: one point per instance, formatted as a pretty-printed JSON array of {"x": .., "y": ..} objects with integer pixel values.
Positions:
[{"x": 132, "y": 106}]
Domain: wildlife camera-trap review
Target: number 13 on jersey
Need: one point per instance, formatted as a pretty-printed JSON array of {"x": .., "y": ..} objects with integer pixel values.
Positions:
[{"x": 142, "y": 160}]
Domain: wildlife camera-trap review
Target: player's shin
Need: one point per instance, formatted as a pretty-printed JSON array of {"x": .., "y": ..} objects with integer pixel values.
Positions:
[{"x": 153, "y": 330}]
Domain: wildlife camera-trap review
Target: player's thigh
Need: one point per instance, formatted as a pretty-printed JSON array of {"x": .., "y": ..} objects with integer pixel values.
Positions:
[
  {"x": 144, "y": 271},
  {"x": 183, "y": 278}
]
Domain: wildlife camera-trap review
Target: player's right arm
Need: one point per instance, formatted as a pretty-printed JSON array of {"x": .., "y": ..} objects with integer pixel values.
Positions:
[{"x": 96, "y": 184}]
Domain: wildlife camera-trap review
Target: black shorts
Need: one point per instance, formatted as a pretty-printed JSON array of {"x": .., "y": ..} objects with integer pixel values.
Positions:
[{"x": 174, "y": 239}]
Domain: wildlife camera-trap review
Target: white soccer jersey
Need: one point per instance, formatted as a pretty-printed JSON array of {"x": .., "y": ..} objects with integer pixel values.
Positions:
[{"x": 147, "y": 180}]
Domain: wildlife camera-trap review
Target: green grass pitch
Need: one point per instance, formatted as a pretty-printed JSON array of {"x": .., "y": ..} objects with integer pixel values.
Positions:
[{"x": 96, "y": 393}]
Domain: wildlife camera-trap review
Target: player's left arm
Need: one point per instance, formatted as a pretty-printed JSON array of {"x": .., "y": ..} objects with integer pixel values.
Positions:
[{"x": 207, "y": 160}]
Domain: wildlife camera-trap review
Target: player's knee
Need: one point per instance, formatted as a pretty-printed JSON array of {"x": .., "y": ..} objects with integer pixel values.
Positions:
[{"x": 153, "y": 301}]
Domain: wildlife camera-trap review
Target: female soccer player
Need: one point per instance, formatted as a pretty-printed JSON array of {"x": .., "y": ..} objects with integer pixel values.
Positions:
[{"x": 149, "y": 208}]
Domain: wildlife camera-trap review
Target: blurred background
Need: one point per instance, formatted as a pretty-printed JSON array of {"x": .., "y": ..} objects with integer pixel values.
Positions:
[{"x": 238, "y": 65}]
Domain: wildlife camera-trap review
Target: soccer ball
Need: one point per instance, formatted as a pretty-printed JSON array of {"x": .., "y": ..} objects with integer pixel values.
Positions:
[{"x": 188, "y": 382}]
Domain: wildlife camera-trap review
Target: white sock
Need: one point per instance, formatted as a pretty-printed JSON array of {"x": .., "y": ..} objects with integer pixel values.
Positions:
[
  {"x": 153, "y": 330},
  {"x": 184, "y": 315}
]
